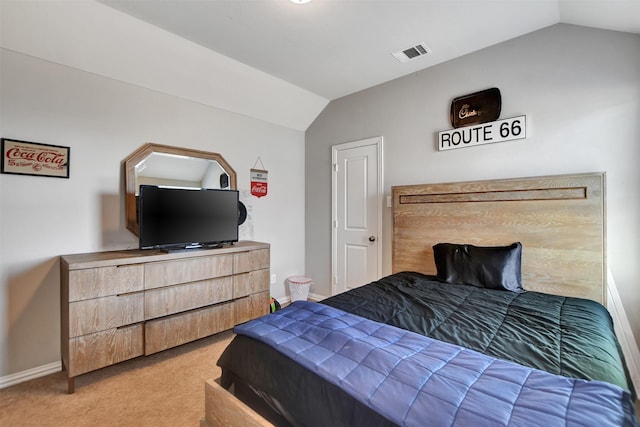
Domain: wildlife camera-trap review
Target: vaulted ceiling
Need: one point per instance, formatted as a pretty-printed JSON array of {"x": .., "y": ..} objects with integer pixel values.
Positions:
[
  {"x": 336, "y": 47},
  {"x": 274, "y": 60}
]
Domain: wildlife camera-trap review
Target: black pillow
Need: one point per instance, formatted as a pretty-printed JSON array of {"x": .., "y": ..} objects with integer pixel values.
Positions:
[{"x": 494, "y": 267}]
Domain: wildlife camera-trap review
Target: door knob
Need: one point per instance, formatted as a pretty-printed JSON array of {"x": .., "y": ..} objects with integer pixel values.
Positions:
[{"x": 372, "y": 238}]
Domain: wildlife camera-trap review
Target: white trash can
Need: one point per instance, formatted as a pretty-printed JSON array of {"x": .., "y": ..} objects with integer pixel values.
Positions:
[{"x": 299, "y": 287}]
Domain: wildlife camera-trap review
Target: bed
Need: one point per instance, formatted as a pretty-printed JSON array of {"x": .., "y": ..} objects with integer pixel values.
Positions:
[{"x": 525, "y": 323}]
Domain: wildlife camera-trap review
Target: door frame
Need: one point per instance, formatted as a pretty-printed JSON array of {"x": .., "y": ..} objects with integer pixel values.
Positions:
[{"x": 378, "y": 143}]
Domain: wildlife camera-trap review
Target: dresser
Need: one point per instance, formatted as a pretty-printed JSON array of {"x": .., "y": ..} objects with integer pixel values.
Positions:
[{"x": 123, "y": 304}]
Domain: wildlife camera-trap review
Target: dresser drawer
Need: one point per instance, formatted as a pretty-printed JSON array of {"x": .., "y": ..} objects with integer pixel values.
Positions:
[
  {"x": 251, "y": 307},
  {"x": 100, "y": 314},
  {"x": 94, "y": 351},
  {"x": 168, "y": 332},
  {"x": 248, "y": 261},
  {"x": 174, "y": 299},
  {"x": 250, "y": 283},
  {"x": 166, "y": 273},
  {"x": 119, "y": 305},
  {"x": 104, "y": 281}
]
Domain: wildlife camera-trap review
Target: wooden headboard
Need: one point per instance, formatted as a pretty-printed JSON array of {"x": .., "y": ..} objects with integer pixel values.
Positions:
[{"x": 560, "y": 221}]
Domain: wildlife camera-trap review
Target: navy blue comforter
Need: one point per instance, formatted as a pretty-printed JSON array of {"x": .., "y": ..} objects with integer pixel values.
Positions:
[
  {"x": 572, "y": 337},
  {"x": 412, "y": 379}
]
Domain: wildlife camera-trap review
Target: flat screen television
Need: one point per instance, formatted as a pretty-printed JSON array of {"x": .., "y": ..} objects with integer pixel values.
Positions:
[{"x": 174, "y": 219}]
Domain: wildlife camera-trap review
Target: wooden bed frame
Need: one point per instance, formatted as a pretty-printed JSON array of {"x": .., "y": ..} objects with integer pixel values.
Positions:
[
  {"x": 560, "y": 221},
  {"x": 221, "y": 408}
]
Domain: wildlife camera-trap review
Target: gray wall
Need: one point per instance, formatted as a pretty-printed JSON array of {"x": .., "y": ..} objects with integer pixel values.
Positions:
[
  {"x": 103, "y": 121},
  {"x": 580, "y": 90}
]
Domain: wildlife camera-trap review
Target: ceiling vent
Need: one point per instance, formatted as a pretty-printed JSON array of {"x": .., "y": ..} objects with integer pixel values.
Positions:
[{"x": 412, "y": 52}]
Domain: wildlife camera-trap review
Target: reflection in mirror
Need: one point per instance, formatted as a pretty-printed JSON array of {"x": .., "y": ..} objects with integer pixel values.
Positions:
[
  {"x": 172, "y": 170},
  {"x": 154, "y": 164}
]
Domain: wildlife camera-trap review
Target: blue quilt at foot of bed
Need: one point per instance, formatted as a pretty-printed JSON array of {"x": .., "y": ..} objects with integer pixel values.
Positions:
[{"x": 414, "y": 380}]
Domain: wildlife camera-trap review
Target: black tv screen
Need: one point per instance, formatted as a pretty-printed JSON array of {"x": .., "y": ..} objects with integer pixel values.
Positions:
[{"x": 171, "y": 218}]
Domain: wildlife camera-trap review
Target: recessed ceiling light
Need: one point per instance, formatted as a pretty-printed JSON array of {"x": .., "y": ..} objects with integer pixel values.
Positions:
[{"x": 300, "y": 1}]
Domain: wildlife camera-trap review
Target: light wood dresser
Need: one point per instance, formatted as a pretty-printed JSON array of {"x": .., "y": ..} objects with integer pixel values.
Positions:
[{"x": 123, "y": 304}]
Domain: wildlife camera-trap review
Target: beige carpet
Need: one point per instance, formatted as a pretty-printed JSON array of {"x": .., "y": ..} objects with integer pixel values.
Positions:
[{"x": 164, "y": 389}]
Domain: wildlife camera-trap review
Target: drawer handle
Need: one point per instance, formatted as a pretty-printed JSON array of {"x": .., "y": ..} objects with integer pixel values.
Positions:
[
  {"x": 130, "y": 325},
  {"x": 125, "y": 294}
]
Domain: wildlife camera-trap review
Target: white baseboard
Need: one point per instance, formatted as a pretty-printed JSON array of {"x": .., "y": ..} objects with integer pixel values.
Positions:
[
  {"x": 623, "y": 330},
  {"x": 316, "y": 297},
  {"x": 311, "y": 297},
  {"x": 30, "y": 374}
]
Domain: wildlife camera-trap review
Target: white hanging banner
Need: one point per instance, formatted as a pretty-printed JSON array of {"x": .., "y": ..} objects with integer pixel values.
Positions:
[
  {"x": 485, "y": 133},
  {"x": 259, "y": 183}
]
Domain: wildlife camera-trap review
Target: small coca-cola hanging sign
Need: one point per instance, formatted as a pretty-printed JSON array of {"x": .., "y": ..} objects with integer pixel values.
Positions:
[
  {"x": 259, "y": 179},
  {"x": 259, "y": 182}
]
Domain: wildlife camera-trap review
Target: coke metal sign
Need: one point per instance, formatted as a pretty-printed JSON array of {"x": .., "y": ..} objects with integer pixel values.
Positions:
[{"x": 259, "y": 182}]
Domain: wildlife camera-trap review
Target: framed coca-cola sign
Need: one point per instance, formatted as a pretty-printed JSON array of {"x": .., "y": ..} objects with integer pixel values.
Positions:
[{"x": 32, "y": 158}]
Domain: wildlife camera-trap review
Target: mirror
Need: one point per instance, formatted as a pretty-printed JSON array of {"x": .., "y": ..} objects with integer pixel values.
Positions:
[{"x": 154, "y": 164}]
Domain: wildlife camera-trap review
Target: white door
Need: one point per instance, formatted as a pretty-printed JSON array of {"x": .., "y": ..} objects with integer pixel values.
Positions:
[{"x": 356, "y": 213}]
